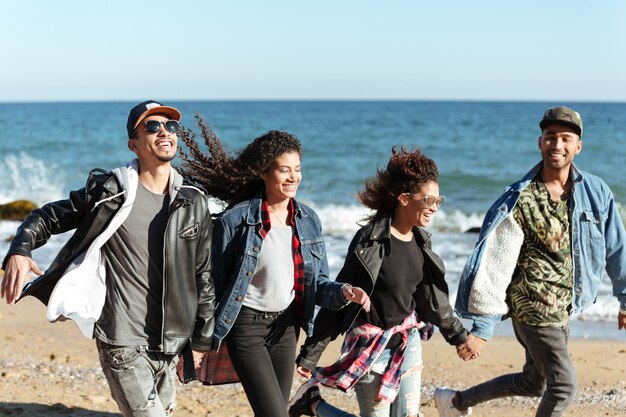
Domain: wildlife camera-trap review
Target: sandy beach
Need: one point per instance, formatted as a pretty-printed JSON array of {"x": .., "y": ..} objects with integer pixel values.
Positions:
[{"x": 51, "y": 370}]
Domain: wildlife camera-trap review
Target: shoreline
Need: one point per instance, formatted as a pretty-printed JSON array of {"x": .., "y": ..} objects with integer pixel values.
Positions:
[{"x": 51, "y": 369}]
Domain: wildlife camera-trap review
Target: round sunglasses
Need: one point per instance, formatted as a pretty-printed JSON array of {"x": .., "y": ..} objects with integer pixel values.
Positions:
[{"x": 153, "y": 126}]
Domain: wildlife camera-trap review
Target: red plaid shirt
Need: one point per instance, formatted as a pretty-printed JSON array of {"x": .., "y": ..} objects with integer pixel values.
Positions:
[
  {"x": 298, "y": 260},
  {"x": 361, "y": 346}
]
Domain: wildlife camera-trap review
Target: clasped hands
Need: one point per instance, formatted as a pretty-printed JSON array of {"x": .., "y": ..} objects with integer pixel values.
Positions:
[{"x": 470, "y": 349}]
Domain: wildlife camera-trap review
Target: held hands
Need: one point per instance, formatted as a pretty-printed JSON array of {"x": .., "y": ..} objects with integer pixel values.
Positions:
[
  {"x": 621, "y": 320},
  {"x": 17, "y": 268},
  {"x": 471, "y": 348},
  {"x": 304, "y": 372},
  {"x": 197, "y": 358},
  {"x": 356, "y": 295}
]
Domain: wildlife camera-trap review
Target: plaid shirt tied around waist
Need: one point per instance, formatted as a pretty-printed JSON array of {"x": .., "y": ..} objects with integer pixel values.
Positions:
[
  {"x": 298, "y": 260},
  {"x": 362, "y": 345}
]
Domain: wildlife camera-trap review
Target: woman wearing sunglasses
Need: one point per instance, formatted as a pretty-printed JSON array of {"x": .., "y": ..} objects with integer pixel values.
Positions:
[
  {"x": 391, "y": 258},
  {"x": 269, "y": 261}
]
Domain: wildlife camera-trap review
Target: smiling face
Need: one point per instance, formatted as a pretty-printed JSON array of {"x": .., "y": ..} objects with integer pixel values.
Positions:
[
  {"x": 559, "y": 144},
  {"x": 412, "y": 208},
  {"x": 153, "y": 148},
  {"x": 283, "y": 177}
]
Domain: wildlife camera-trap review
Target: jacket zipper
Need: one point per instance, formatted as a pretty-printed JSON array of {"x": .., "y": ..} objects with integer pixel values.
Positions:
[
  {"x": 370, "y": 293},
  {"x": 175, "y": 208}
]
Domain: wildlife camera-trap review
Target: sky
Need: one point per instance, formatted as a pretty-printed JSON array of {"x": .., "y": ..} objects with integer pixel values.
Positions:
[{"x": 532, "y": 50}]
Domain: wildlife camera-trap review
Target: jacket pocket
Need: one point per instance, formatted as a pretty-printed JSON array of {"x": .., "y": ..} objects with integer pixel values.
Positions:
[
  {"x": 592, "y": 224},
  {"x": 316, "y": 249},
  {"x": 189, "y": 232}
]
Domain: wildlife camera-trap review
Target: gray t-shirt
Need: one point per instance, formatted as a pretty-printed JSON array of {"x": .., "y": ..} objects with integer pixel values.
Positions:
[
  {"x": 271, "y": 288},
  {"x": 133, "y": 258}
]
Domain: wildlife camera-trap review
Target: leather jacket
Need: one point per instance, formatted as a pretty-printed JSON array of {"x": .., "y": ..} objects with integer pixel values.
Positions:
[
  {"x": 188, "y": 289},
  {"x": 361, "y": 268}
]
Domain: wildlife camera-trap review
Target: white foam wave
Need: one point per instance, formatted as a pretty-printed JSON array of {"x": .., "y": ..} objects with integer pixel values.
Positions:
[
  {"x": 341, "y": 220},
  {"x": 26, "y": 178}
]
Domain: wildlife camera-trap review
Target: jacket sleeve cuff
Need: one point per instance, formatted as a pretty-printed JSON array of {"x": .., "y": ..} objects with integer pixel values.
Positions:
[
  {"x": 16, "y": 251},
  {"x": 483, "y": 327}
]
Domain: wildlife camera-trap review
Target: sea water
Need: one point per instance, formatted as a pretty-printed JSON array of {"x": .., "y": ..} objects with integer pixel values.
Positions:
[{"x": 480, "y": 147}]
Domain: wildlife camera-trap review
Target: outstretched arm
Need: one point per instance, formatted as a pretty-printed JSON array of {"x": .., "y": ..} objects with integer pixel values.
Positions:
[{"x": 16, "y": 269}]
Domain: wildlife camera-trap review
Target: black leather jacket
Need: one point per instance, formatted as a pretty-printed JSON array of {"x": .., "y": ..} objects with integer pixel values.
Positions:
[
  {"x": 189, "y": 293},
  {"x": 361, "y": 268}
]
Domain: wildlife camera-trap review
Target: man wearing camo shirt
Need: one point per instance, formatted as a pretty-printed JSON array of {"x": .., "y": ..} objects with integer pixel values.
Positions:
[{"x": 541, "y": 252}]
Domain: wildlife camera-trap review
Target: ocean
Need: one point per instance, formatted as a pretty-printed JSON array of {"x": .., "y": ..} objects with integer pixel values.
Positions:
[{"x": 480, "y": 147}]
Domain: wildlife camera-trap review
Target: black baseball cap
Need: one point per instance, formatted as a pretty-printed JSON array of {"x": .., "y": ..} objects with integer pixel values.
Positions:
[{"x": 145, "y": 109}]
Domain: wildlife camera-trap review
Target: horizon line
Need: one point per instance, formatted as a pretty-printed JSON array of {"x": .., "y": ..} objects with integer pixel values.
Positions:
[{"x": 443, "y": 100}]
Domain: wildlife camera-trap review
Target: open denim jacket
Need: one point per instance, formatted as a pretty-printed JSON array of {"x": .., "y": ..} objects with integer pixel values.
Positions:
[
  {"x": 236, "y": 246},
  {"x": 598, "y": 243}
]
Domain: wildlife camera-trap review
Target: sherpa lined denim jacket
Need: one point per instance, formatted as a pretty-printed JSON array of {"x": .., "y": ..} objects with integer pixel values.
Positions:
[
  {"x": 236, "y": 246},
  {"x": 598, "y": 243}
]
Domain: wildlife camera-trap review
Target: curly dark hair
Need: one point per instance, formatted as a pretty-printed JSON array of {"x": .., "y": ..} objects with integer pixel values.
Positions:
[
  {"x": 406, "y": 172},
  {"x": 232, "y": 178}
]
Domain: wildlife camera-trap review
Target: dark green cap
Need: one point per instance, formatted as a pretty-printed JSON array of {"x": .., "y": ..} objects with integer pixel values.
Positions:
[{"x": 562, "y": 115}]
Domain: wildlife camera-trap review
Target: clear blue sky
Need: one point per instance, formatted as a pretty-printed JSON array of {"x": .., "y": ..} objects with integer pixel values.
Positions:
[{"x": 340, "y": 49}]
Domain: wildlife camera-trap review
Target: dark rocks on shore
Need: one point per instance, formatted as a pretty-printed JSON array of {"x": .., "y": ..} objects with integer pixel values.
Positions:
[{"x": 16, "y": 210}]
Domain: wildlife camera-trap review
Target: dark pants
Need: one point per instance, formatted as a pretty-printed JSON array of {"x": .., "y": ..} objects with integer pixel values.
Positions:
[
  {"x": 262, "y": 347},
  {"x": 548, "y": 372}
]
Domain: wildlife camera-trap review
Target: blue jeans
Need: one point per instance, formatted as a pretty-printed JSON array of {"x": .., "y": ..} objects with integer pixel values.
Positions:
[
  {"x": 407, "y": 402},
  {"x": 548, "y": 372},
  {"x": 142, "y": 383}
]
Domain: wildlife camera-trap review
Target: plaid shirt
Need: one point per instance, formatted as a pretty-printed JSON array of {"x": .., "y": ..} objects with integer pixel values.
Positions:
[
  {"x": 298, "y": 260},
  {"x": 362, "y": 345}
]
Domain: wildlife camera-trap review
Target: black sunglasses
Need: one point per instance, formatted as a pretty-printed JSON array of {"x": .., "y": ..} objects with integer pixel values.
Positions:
[{"x": 153, "y": 126}]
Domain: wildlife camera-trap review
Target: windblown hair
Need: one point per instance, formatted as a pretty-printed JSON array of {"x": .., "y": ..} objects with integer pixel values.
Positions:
[
  {"x": 406, "y": 172},
  {"x": 232, "y": 178}
]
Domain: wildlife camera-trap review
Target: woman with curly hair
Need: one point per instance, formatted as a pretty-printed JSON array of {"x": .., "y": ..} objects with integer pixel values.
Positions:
[
  {"x": 269, "y": 261},
  {"x": 390, "y": 258}
]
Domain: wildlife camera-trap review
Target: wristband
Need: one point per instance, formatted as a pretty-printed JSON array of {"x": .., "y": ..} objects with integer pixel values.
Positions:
[{"x": 622, "y": 312}]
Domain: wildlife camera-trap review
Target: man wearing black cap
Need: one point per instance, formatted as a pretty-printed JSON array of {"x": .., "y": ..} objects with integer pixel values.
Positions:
[
  {"x": 542, "y": 249},
  {"x": 135, "y": 274}
]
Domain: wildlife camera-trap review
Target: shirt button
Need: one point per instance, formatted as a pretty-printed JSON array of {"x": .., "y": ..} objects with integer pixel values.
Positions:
[
  {"x": 255, "y": 249},
  {"x": 227, "y": 321},
  {"x": 249, "y": 273},
  {"x": 239, "y": 298}
]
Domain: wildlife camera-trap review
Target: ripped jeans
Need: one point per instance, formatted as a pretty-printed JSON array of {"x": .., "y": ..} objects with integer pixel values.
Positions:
[
  {"x": 142, "y": 383},
  {"x": 407, "y": 403}
]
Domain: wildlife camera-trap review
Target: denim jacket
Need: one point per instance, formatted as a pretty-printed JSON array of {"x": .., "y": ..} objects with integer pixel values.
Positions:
[
  {"x": 598, "y": 243},
  {"x": 236, "y": 247}
]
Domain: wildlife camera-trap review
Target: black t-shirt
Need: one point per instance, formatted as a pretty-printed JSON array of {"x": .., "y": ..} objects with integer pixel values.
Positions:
[{"x": 400, "y": 273}]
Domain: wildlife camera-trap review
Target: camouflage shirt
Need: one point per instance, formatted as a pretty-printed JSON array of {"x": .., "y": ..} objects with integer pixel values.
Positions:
[{"x": 540, "y": 293}]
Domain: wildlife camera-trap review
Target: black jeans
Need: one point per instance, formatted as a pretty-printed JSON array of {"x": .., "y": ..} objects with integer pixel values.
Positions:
[
  {"x": 548, "y": 372},
  {"x": 262, "y": 347}
]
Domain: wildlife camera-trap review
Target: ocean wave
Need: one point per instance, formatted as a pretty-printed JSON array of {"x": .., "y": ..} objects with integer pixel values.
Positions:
[
  {"x": 28, "y": 178},
  {"x": 341, "y": 220}
]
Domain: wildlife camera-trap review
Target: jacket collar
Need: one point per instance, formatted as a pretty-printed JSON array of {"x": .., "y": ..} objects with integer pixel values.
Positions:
[
  {"x": 254, "y": 209},
  {"x": 128, "y": 177},
  {"x": 381, "y": 230},
  {"x": 575, "y": 173}
]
